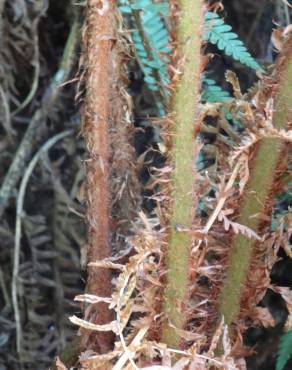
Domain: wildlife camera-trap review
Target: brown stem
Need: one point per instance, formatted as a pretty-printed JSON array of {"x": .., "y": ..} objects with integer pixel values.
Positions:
[{"x": 99, "y": 43}]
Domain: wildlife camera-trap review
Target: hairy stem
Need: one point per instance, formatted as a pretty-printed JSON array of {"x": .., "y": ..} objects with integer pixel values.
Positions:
[
  {"x": 98, "y": 44},
  {"x": 185, "y": 110},
  {"x": 113, "y": 192},
  {"x": 259, "y": 191}
]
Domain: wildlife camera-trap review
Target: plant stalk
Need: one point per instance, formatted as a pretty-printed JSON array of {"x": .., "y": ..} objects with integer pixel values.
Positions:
[
  {"x": 259, "y": 192},
  {"x": 185, "y": 109},
  {"x": 99, "y": 40}
]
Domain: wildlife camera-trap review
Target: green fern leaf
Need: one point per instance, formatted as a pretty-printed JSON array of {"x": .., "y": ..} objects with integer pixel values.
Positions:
[
  {"x": 151, "y": 39},
  {"x": 285, "y": 350},
  {"x": 212, "y": 93},
  {"x": 218, "y": 33}
]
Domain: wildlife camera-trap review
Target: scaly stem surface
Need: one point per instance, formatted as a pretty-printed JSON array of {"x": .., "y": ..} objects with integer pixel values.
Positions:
[
  {"x": 99, "y": 36},
  {"x": 185, "y": 109},
  {"x": 259, "y": 191}
]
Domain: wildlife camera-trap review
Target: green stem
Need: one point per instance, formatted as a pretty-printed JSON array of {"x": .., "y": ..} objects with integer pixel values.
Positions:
[
  {"x": 259, "y": 192},
  {"x": 185, "y": 108}
]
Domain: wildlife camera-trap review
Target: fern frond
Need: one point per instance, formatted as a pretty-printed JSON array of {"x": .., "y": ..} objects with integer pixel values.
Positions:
[
  {"x": 151, "y": 39},
  {"x": 213, "y": 93},
  {"x": 285, "y": 350},
  {"x": 218, "y": 33}
]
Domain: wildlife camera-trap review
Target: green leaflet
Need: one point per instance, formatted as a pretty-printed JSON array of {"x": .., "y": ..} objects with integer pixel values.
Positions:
[
  {"x": 285, "y": 350},
  {"x": 218, "y": 33},
  {"x": 213, "y": 93},
  {"x": 151, "y": 40}
]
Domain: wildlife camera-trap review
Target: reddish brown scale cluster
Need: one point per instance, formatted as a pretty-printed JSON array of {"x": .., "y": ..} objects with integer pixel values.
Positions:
[
  {"x": 264, "y": 253},
  {"x": 263, "y": 257},
  {"x": 206, "y": 279},
  {"x": 210, "y": 256}
]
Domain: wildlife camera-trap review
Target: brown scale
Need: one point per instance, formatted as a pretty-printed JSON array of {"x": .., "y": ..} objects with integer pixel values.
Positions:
[{"x": 203, "y": 317}]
